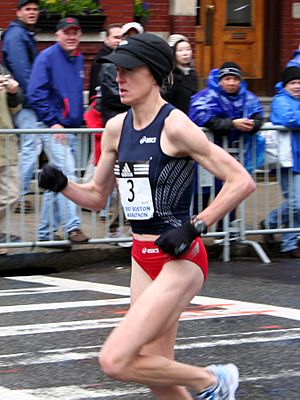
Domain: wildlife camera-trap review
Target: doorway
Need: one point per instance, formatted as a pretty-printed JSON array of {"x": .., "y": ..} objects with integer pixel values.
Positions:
[{"x": 230, "y": 30}]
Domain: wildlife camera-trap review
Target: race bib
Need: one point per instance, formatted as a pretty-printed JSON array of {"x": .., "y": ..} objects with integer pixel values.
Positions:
[{"x": 135, "y": 190}]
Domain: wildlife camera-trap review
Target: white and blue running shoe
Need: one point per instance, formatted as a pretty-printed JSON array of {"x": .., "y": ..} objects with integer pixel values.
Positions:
[{"x": 227, "y": 383}]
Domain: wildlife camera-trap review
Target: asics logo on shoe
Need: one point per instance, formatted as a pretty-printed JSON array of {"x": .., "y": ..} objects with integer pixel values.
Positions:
[
  {"x": 150, "y": 251},
  {"x": 145, "y": 139}
]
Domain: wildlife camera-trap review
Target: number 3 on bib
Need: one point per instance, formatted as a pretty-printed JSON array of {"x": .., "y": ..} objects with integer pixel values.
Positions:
[{"x": 135, "y": 190}]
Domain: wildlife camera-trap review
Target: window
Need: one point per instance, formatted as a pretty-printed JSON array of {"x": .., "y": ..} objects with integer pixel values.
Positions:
[{"x": 238, "y": 13}]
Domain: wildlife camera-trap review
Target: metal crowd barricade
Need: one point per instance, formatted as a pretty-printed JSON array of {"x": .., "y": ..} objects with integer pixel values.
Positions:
[
  {"x": 255, "y": 209},
  {"x": 244, "y": 229}
]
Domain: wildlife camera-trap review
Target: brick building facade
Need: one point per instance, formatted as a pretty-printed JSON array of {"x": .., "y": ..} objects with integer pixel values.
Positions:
[{"x": 181, "y": 16}]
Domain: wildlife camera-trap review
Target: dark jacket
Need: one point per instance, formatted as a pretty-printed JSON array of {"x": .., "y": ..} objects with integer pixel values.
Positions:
[
  {"x": 19, "y": 49},
  {"x": 55, "y": 87},
  {"x": 95, "y": 70},
  {"x": 111, "y": 103},
  {"x": 183, "y": 87}
]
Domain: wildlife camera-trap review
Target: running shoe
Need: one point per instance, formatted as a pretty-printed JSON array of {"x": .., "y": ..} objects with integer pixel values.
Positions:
[{"x": 228, "y": 381}]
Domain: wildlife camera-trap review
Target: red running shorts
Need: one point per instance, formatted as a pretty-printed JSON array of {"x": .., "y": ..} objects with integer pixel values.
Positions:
[{"x": 152, "y": 259}]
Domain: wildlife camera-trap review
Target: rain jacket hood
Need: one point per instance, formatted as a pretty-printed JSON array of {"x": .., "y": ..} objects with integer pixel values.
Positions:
[{"x": 285, "y": 110}]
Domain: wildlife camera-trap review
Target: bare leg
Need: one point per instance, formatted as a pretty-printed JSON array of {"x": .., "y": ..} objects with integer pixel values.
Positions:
[
  {"x": 152, "y": 318},
  {"x": 165, "y": 347}
]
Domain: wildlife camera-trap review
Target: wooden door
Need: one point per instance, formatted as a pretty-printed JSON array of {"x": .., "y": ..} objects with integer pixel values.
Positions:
[{"x": 230, "y": 30}]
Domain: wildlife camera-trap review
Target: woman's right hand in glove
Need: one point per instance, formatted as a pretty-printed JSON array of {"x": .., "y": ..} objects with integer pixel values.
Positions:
[{"x": 51, "y": 178}]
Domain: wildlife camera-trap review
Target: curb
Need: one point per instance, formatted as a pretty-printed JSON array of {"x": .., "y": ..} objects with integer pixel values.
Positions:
[{"x": 51, "y": 261}]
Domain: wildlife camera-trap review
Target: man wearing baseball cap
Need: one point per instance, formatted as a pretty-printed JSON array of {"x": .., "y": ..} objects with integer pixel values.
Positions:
[
  {"x": 132, "y": 28},
  {"x": 66, "y": 23},
  {"x": 55, "y": 92},
  {"x": 19, "y": 49}
]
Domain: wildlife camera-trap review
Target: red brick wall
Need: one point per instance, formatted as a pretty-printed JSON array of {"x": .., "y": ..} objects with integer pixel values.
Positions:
[
  {"x": 160, "y": 21},
  {"x": 185, "y": 25},
  {"x": 290, "y": 33},
  {"x": 117, "y": 11},
  {"x": 7, "y": 12}
]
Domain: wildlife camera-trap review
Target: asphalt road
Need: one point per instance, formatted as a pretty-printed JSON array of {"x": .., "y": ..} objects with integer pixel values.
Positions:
[{"x": 52, "y": 327}]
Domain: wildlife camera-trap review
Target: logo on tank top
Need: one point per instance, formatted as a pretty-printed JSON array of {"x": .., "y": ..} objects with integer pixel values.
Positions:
[
  {"x": 146, "y": 140},
  {"x": 126, "y": 172}
]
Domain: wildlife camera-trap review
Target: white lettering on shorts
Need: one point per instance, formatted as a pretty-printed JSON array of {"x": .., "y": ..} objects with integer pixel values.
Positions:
[{"x": 149, "y": 251}]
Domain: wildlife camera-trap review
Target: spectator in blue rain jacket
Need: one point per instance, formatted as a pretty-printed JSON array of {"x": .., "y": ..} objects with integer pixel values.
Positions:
[
  {"x": 285, "y": 110},
  {"x": 227, "y": 109}
]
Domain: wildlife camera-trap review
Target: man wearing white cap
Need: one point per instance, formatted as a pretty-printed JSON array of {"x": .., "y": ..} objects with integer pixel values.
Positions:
[{"x": 132, "y": 28}]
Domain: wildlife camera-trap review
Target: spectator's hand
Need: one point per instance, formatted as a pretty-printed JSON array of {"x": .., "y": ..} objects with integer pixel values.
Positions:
[
  {"x": 53, "y": 179},
  {"x": 243, "y": 124},
  {"x": 12, "y": 86},
  {"x": 61, "y": 138},
  {"x": 177, "y": 241}
]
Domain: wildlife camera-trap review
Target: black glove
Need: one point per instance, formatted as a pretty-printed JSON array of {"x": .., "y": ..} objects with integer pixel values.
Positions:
[
  {"x": 51, "y": 178},
  {"x": 177, "y": 241}
]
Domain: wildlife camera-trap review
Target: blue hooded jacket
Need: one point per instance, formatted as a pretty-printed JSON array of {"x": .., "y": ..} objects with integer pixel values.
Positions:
[
  {"x": 19, "y": 49},
  {"x": 285, "y": 110},
  {"x": 295, "y": 61},
  {"x": 214, "y": 101},
  {"x": 55, "y": 87}
]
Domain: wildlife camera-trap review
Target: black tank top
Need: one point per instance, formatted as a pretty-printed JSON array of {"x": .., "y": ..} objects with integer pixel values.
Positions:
[{"x": 155, "y": 188}]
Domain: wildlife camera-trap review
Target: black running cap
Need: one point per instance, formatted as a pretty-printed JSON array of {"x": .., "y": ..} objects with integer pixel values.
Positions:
[{"x": 143, "y": 49}]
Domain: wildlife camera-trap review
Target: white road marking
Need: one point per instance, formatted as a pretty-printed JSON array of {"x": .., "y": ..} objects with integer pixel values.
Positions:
[
  {"x": 88, "y": 352},
  {"x": 60, "y": 305},
  {"x": 8, "y": 394},
  {"x": 50, "y": 359},
  {"x": 290, "y": 373},
  {"x": 74, "y": 392},
  {"x": 71, "y": 283},
  {"x": 36, "y": 329},
  {"x": 226, "y": 308},
  {"x": 209, "y": 308},
  {"x": 35, "y": 291},
  {"x": 71, "y": 392}
]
